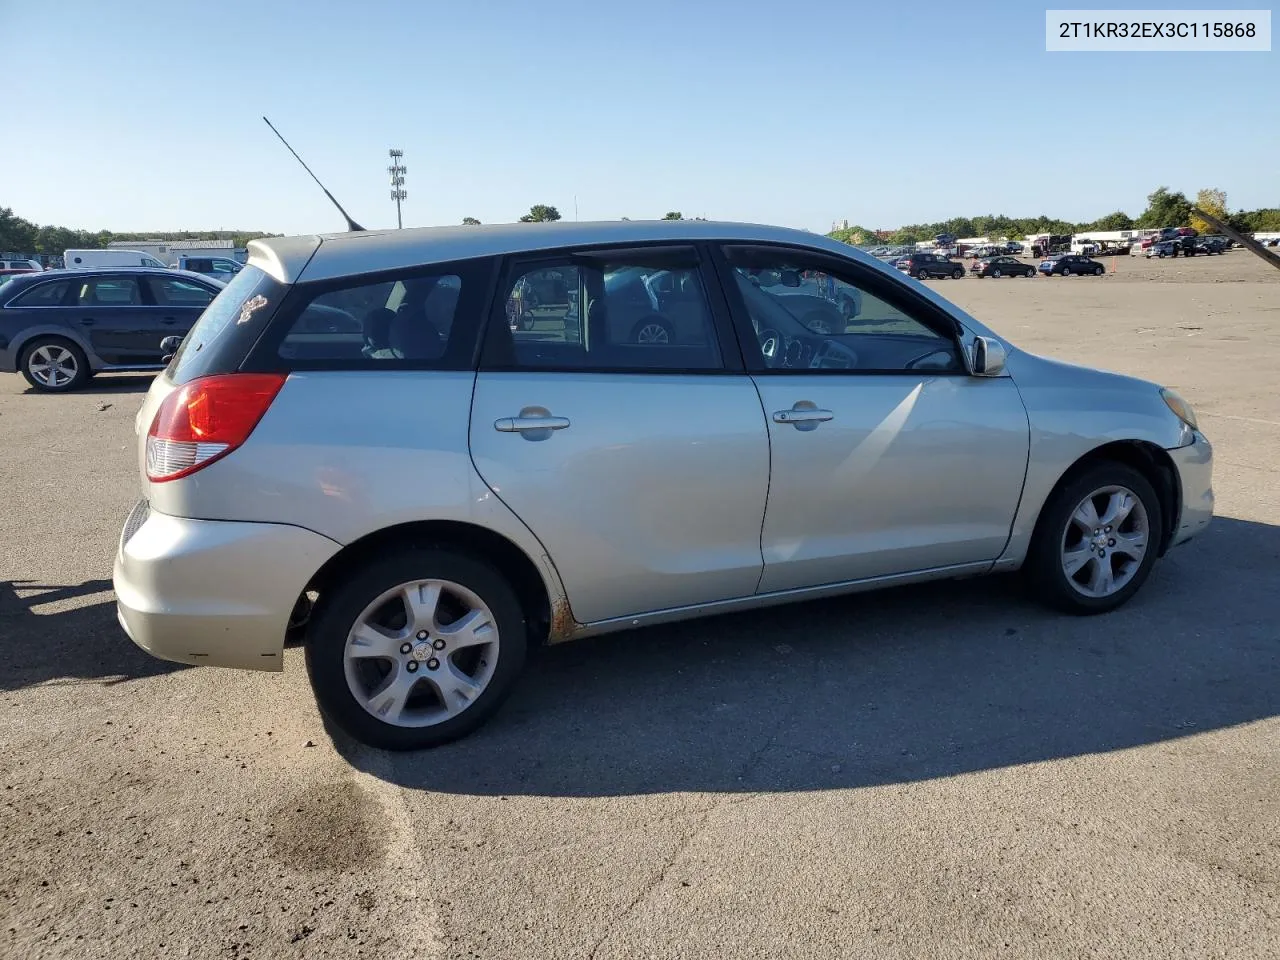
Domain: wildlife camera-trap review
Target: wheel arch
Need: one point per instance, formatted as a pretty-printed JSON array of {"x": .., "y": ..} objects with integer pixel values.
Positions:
[
  {"x": 24, "y": 336},
  {"x": 1149, "y": 459},
  {"x": 549, "y": 618}
]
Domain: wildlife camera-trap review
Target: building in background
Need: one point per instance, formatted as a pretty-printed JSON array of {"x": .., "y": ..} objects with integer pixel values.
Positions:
[{"x": 168, "y": 251}]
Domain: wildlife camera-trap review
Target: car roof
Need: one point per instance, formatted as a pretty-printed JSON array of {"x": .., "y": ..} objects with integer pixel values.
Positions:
[
  {"x": 330, "y": 256},
  {"x": 149, "y": 271}
]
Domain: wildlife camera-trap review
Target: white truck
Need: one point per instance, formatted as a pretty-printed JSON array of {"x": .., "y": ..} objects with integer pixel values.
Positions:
[{"x": 73, "y": 259}]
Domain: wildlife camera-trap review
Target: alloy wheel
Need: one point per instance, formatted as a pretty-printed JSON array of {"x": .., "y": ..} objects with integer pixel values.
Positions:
[
  {"x": 53, "y": 366},
  {"x": 421, "y": 653},
  {"x": 1106, "y": 538}
]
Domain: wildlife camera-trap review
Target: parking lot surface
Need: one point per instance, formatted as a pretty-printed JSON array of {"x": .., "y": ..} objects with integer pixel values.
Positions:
[{"x": 940, "y": 771}]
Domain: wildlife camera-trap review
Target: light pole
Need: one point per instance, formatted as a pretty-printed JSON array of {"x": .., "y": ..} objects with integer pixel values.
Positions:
[{"x": 397, "y": 171}]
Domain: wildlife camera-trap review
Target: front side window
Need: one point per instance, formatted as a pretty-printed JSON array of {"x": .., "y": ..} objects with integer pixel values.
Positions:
[
  {"x": 43, "y": 295},
  {"x": 110, "y": 292},
  {"x": 176, "y": 292},
  {"x": 634, "y": 312},
  {"x": 804, "y": 316}
]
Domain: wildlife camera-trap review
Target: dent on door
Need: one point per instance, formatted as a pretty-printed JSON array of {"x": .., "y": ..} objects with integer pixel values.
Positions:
[{"x": 906, "y": 474}]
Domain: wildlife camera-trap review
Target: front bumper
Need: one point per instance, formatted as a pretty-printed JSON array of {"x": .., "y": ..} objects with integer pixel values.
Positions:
[
  {"x": 213, "y": 592},
  {"x": 1194, "y": 464}
]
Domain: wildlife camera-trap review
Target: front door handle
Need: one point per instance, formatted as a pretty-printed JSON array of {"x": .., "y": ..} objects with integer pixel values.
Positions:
[
  {"x": 803, "y": 415},
  {"x": 534, "y": 423},
  {"x": 168, "y": 320},
  {"x": 87, "y": 321}
]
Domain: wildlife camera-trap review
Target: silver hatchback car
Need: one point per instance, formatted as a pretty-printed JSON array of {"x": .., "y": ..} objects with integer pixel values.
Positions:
[{"x": 356, "y": 446}]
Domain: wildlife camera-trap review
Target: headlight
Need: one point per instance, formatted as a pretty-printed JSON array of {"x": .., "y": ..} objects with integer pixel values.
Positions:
[{"x": 1181, "y": 409}]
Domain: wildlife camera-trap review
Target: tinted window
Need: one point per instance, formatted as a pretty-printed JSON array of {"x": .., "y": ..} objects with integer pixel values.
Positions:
[
  {"x": 228, "y": 327},
  {"x": 43, "y": 295},
  {"x": 806, "y": 317},
  {"x": 410, "y": 319},
  {"x": 633, "y": 313},
  {"x": 174, "y": 291},
  {"x": 110, "y": 292}
]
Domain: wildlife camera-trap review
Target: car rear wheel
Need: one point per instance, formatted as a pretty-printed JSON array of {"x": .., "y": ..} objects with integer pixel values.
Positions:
[
  {"x": 1066, "y": 271},
  {"x": 1097, "y": 271},
  {"x": 1096, "y": 541},
  {"x": 54, "y": 365},
  {"x": 922, "y": 274},
  {"x": 417, "y": 649},
  {"x": 996, "y": 273},
  {"x": 957, "y": 273}
]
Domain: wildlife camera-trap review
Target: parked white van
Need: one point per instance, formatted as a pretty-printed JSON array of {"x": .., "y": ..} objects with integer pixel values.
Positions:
[{"x": 74, "y": 259}]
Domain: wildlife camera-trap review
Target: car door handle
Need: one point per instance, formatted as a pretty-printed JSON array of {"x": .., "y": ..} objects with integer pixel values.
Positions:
[
  {"x": 168, "y": 320},
  {"x": 529, "y": 424},
  {"x": 87, "y": 321},
  {"x": 803, "y": 415}
]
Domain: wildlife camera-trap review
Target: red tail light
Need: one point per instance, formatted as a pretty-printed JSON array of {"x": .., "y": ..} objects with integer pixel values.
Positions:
[{"x": 205, "y": 420}]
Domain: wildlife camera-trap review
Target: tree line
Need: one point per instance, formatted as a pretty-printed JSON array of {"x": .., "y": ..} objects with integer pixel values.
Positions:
[
  {"x": 1165, "y": 208},
  {"x": 18, "y": 235}
]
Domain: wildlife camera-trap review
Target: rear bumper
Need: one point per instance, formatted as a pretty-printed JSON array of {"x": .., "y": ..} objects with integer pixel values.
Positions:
[
  {"x": 213, "y": 592},
  {"x": 1194, "y": 464}
]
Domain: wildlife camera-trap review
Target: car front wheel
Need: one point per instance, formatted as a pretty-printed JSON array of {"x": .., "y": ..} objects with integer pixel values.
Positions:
[
  {"x": 957, "y": 274},
  {"x": 922, "y": 274},
  {"x": 1096, "y": 541},
  {"x": 54, "y": 365},
  {"x": 417, "y": 649}
]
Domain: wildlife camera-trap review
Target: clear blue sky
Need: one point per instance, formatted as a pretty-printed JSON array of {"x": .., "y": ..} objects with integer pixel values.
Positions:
[{"x": 146, "y": 116}]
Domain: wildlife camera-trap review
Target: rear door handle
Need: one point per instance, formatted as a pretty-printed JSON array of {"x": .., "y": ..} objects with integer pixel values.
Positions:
[
  {"x": 530, "y": 425},
  {"x": 803, "y": 415},
  {"x": 87, "y": 321}
]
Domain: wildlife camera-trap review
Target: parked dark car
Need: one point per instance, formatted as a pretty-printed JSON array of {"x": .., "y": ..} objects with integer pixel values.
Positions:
[
  {"x": 59, "y": 327},
  {"x": 1211, "y": 245},
  {"x": 922, "y": 266},
  {"x": 1001, "y": 267},
  {"x": 1068, "y": 264}
]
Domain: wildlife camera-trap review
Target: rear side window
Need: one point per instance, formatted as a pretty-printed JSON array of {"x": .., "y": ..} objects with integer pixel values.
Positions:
[
  {"x": 223, "y": 336},
  {"x": 43, "y": 295},
  {"x": 424, "y": 318}
]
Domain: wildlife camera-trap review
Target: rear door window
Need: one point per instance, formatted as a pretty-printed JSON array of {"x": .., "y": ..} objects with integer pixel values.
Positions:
[{"x": 110, "y": 292}]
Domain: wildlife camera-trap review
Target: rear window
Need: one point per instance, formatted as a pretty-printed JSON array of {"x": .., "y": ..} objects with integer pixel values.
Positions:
[{"x": 228, "y": 327}]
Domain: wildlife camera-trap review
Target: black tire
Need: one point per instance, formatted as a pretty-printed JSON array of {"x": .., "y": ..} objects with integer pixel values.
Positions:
[
  {"x": 77, "y": 357},
  {"x": 1043, "y": 567},
  {"x": 1098, "y": 271},
  {"x": 1030, "y": 273},
  {"x": 996, "y": 273},
  {"x": 922, "y": 274},
  {"x": 957, "y": 274},
  {"x": 339, "y": 607},
  {"x": 1066, "y": 271}
]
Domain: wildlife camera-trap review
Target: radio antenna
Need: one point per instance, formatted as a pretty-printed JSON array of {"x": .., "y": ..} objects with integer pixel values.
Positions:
[{"x": 351, "y": 224}]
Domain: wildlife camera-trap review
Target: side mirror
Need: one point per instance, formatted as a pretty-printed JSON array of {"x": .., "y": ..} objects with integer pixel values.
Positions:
[
  {"x": 989, "y": 356},
  {"x": 168, "y": 347},
  {"x": 789, "y": 278}
]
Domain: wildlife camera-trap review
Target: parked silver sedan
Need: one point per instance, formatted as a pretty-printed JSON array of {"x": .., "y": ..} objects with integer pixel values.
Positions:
[{"x": 421, "y": 492}]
